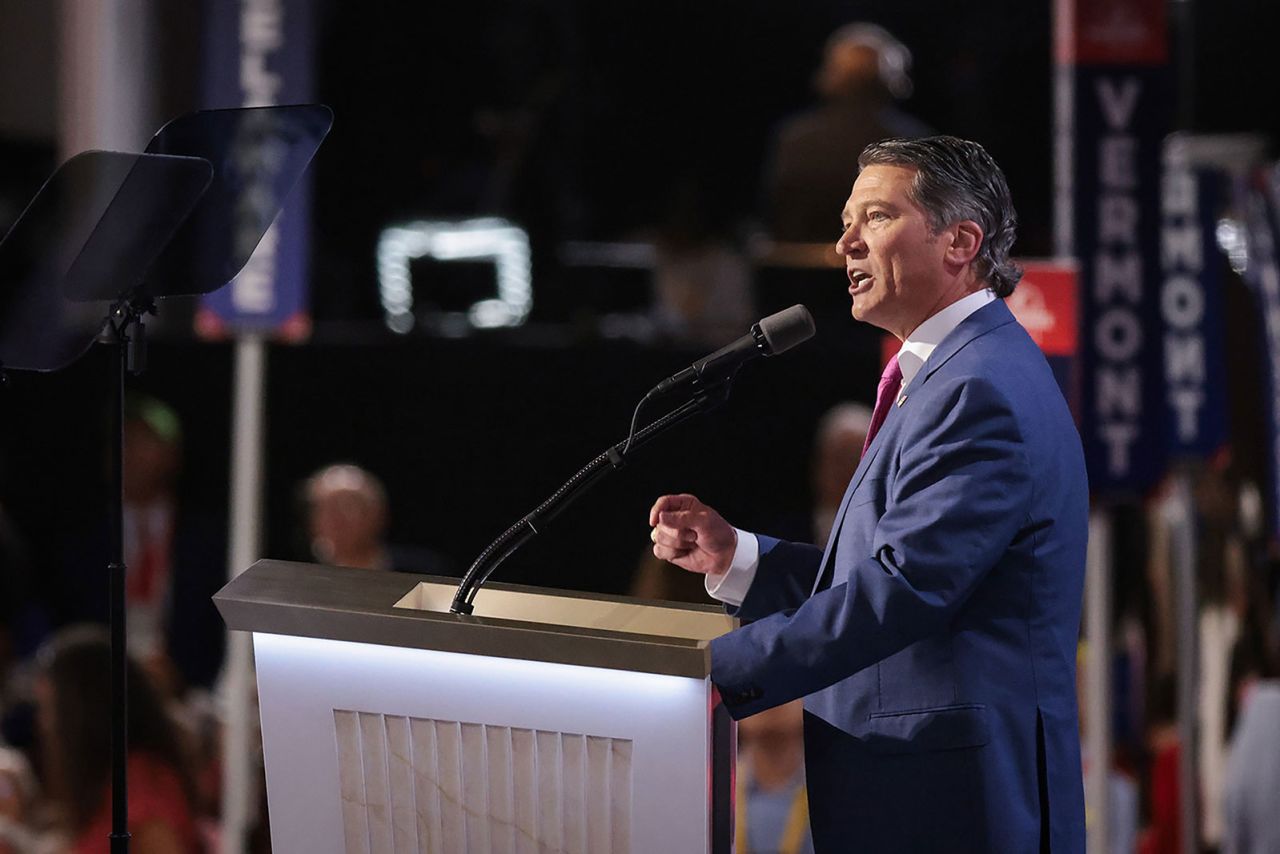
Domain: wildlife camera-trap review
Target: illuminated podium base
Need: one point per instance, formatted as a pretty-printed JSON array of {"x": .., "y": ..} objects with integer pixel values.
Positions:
[{"x": 546, "y": 722}]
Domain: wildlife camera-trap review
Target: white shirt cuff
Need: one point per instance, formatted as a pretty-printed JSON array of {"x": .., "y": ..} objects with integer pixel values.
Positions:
[{"x": 731, "y": 585}]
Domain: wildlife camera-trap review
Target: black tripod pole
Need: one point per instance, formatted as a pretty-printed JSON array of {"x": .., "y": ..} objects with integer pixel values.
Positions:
[{"x": 128, "y": 342}]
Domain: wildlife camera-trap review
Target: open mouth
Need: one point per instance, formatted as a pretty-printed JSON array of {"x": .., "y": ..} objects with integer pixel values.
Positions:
[{"x": 859, "y": 282}]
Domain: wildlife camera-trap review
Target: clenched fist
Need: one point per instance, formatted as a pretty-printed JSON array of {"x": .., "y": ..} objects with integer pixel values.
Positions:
[{"x": 691, "y": 535}]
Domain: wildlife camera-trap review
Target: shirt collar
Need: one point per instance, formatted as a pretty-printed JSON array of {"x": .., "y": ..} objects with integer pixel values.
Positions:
[{"x": 921, "y": 343}]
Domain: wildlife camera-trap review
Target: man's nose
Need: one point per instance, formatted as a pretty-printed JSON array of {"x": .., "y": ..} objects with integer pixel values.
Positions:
[{"x": 850, "y": 242}]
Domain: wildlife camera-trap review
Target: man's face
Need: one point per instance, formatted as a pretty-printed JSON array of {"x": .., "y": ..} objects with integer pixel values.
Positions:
[
  {"x": 343, "y": 522},
  {"x": 894, "y": 262},
  {"x": 851, "y": 72}
]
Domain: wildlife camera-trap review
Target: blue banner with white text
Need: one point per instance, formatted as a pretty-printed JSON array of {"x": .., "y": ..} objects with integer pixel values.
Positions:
[
  {"x": 260, "y": 53},
  {"x": 1192, "y": 306},
  {"x": 1120, "y": 120}
]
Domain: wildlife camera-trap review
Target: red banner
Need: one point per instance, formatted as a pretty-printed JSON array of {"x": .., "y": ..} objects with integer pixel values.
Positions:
[
  {"x": 1111, "y": 32},
  {"x": 1045, "y": 304}
]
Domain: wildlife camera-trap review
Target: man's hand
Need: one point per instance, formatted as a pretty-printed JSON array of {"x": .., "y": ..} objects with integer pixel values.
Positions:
[{"x": 691, "y": 535}]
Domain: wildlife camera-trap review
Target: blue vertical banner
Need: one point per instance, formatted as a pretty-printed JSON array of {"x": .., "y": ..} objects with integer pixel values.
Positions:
[
  {"x": 1261, "y": 204},
  {"x": 1114, "y": 112},
  {"x": 1192, "y": 306},
  {"x": 260, "y": 53}
]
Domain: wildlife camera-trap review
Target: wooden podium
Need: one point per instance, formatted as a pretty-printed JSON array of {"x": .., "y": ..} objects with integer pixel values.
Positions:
[{"x": 547, "y": 721}]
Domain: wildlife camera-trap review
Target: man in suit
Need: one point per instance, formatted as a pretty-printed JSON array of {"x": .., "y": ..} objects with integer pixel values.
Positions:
[{"x": 934, "y": 638}]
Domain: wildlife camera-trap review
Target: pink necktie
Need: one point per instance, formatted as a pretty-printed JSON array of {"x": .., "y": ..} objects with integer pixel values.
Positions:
[{"x": 890, "y": 381}]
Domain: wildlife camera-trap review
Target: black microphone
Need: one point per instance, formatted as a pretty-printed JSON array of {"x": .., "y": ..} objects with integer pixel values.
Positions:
[{"x": 774, "y": 334}]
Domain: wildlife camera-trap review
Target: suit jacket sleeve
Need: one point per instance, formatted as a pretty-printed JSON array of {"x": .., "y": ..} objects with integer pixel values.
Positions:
[
  {"x": 958, "y": 498},
  {"x": 784, "y": 578}
]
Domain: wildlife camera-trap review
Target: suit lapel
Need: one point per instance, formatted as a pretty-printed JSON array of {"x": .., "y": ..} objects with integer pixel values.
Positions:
[
  {"x": 882, "y": 439},
  {"x": 991, "y": 316}
]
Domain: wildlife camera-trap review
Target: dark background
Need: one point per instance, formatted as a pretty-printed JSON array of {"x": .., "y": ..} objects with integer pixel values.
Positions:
[{"x": 611, "y": 110}]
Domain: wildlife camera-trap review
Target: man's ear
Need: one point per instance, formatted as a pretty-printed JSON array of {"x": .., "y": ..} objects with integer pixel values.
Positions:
[{"x": 966, "y": 240}]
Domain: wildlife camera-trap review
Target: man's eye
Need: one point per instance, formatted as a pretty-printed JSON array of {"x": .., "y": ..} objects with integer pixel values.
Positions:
[{"x": 877, "y": 216}]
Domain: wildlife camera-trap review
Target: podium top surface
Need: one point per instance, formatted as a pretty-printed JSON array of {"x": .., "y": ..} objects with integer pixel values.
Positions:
[{"x": 510, "y": 621}]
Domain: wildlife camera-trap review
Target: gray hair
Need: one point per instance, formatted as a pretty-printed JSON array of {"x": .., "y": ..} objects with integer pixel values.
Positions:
[
  {"x": 957, "y": 180},
  {"x": 346, "y": 477}
]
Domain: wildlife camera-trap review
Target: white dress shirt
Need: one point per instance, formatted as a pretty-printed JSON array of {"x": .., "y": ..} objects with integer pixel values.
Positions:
[{"x": 731, "y": 585}]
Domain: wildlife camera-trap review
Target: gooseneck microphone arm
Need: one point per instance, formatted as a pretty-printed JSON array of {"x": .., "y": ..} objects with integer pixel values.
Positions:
[
  {"x": 588, "y": 476},
  {"x": 709, "y": 380}
]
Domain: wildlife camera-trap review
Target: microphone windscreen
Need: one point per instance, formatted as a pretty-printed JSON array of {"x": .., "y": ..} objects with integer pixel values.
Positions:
[{"x": 787, "y": 328}]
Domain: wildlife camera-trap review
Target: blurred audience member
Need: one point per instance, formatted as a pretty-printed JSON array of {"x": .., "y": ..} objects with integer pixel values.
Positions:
[
  {"x": 1122, "y": 788},
  {"x": 73, "y": 695},
  {"x": 837, "y": 448},
  {"x": 176, "y": 559},
  {"x": 1251, "y": 789},
  {"x": 815, "y": 157},
  {"x": 1163, "y": 833},
  {"x": 17, "y": 799},
  {"x": 152, "y": 462},
  {"x": 347, "y": 518},
  {"x": 1221, "y": 570},
  {"x": 772, "y": 803},
  {"x": 702, "y": 281}
]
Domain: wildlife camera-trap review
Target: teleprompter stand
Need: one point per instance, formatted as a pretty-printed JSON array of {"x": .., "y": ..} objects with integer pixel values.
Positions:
[{"x": 108, "y": 235}]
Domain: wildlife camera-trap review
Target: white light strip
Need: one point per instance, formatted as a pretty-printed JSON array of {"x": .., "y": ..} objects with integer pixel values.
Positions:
[
  {"x": 478, "y": 671},
  {"x": 497, "y": 240}
]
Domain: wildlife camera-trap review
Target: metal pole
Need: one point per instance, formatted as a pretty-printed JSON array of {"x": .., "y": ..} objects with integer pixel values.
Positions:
[
  {"x": 1097, "y": 681},
  {"x": 239, "y": 783},
  {"x": 116, "y": 576},
  {"x": 1183, "y": 566},
  {"x": 105, "y": 75},
  {"x": 1183, "y": 19}
]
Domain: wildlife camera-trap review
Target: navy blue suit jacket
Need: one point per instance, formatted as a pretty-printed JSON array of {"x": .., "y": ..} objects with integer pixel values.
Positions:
[{"x": 934, "y": 639}]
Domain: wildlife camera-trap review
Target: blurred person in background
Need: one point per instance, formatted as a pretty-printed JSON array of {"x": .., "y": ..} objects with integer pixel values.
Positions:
[
  {"x": 347, "y": 518},
  {"x": 772, "y": 803},
  {"x": 176, "y": 559},
  {"x": 17, "y": 798},
  {"x": 701, "y": 279},
  {"x": 1163, "y": 832},
  {"x": 865, "y": 71},
  {"x": 1251, "y": 788},
  {"x": 842, "y": 431},
  {"x": 1122, "y": 789},
  {"x": 1222, "y": 601},
  {"x": 73, "y": 695}
]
